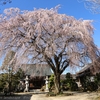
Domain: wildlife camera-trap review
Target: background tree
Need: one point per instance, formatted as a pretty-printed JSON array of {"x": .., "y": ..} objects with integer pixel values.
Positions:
[
  {"x": 7, "y": 67},
  {"x": 8, "y": 63},
  {"x": 15, "y": 79},
  {"x": 45, "y": 36},
  {"x": 92, "y": 5},
  {"x": 97, "y": 79},
  {"x": 3, "y": 80}
]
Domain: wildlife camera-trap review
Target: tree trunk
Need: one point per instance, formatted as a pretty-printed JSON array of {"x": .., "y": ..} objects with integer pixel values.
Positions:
[{"x": 57, "y": 83}]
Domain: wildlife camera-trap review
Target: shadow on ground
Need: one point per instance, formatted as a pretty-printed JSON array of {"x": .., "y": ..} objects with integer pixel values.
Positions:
[{"x": 16, "y": 97}]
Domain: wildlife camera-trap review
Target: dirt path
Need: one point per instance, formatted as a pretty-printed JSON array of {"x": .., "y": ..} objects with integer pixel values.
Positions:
[{"x": 76, "y": 96}]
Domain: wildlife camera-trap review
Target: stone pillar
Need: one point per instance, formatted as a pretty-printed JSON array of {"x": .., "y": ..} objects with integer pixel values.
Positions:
[
  {"x": 27, "y": 84},
  {"x": 46, "y": 82}
]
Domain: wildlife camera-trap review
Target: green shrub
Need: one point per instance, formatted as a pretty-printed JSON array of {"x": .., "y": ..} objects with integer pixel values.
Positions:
[
  {"x": 92, "y": 86},
  {"x": 88, "y": 85},
  {"x": 69, "y": 83},
  {"x": 51, "y": 82}
]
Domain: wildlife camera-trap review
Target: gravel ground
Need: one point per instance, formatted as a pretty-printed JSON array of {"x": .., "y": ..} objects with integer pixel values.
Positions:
[{"x": 75, "y": 96}]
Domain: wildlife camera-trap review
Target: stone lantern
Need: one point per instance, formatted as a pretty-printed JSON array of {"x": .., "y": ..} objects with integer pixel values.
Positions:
[
  {"x": 26, "y": 84},
  {"x": 46, "y": 82}
]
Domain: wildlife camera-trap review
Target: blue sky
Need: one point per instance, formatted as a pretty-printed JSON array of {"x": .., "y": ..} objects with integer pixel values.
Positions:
[{"x": 68, "y": 7}]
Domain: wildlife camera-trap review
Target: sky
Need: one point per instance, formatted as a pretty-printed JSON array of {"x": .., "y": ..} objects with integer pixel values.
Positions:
[{"x": 68, "y": 7}]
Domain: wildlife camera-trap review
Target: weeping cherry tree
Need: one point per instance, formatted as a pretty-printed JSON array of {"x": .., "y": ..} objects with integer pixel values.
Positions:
[{"x": 47, "y": 37}]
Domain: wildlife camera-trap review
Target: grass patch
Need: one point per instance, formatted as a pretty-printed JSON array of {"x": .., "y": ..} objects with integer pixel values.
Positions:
[{"x": 50, "y": 94}]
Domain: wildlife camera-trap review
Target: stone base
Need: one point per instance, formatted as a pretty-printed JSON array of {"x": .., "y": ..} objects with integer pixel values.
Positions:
[
  {"x": 26, "y": 90},
  {"x": 46, "y": 90}
]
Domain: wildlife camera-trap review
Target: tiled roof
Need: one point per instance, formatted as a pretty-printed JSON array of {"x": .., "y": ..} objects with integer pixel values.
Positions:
[
  {"x": 37, "y": 69},
  {"x": 89, "y": 67},
  {"x": 86, "y": 67}
]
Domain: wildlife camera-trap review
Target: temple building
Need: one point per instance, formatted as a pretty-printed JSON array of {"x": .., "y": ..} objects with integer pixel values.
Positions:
[{"x": 37, "y": 74}]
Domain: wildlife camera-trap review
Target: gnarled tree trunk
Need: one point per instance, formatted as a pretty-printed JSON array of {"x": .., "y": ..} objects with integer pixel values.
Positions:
[{"x": 57, "y": 83}]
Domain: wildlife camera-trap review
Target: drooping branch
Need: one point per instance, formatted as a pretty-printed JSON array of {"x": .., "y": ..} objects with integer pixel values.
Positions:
[
  {"x": 3, "y": 2},
  {"x": 92, "y": 5}
]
